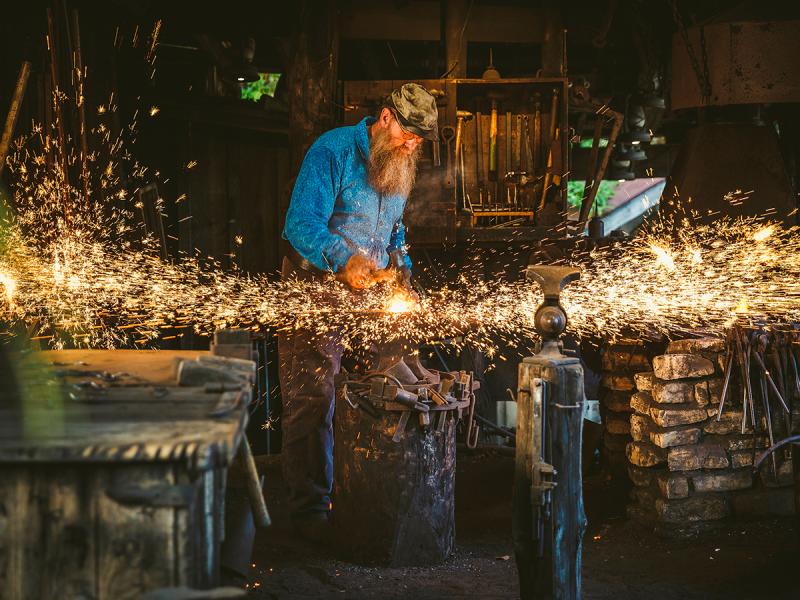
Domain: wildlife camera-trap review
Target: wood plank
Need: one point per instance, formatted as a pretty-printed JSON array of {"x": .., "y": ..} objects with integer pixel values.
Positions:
[
  {"x": 135, "y": 544},
  {"x": 152, "y": 366},
  {"x": 67, "y": 566}
]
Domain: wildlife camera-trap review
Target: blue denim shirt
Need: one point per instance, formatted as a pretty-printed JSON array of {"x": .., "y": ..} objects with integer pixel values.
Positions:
[{"x": 334, "y": 212}]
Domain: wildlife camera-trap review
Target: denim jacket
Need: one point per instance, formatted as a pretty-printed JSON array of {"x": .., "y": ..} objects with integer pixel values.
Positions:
[{"x": 334, "y": 212}]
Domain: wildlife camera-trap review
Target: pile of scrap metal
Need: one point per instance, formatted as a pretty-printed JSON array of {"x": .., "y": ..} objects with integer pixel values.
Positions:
[{"x": 405, "y": 386}]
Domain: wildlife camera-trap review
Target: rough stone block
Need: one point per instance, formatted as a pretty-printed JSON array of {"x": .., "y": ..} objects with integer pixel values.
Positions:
[
  {"x": 671, "y": 415},
  {"x": 614, "y": 443},
  {"x": 640, "y": 476},
  {"x": 698, "y": 456},
  {"x": 644, "y": 496},
  {"x": 723, "y": 481},
  {"x": 709, "y": 507},
  {"x": 738, "y": 441},
  {"x": 641, "y": 402},
  {"x": 618, "y": 424},
  {"x": 620, "y": 358},
  {"x": 614, "y": 381},
  {"x": 644, "y": 381},
  {"x": 644, "y": 454},
  {"x": 681, "y": 366},
  {"x": 741, "y": 458},
  {"x": 708, "y": 391},
  {"x": 785, "y": 474},
  {"x": 673, "y": 392},
  {"x": 761, "y": 502},
  {"x": 666, "y": 438},
  {"x": 640, "y": 427},
  {"x": 618, "y": 401},
  {"x": 697, "y": 345},
  {"x": 673, "y": 485},
  {"x": 729, "y": 422}
]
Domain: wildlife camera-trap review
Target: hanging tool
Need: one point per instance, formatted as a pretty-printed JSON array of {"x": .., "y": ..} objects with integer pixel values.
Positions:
[
  {"x": 479, "y": 154},
  {"x": 448, "y": 133},
  {"x": 493, "y": 143},
  {"x": 436, "y": 153},
  {"x": 552, "y": 139},
  {"x": 528, "y": 147},
  {"x": 462, "y": 116},
  {"x": 508, "y": 157},
  {"x": 537, "y": 134}
]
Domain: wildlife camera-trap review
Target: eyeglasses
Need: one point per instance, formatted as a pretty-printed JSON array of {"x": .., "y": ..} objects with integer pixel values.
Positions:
[{"x": 406, "y": 135}]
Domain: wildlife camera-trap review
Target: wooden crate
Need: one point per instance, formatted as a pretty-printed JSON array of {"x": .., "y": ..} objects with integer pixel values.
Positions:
[{"x": 109, "y": 492}]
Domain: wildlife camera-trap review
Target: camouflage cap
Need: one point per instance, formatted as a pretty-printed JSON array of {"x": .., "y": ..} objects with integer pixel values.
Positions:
[{"x": 416, "y": 110}]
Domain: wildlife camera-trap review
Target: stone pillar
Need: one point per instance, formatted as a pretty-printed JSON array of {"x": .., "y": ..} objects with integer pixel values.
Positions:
[
  {"x": 620, "y": 362},
  {"x": 689, "y": 469}
]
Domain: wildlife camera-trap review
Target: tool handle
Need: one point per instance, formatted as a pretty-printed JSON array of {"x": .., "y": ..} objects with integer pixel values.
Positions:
[{"x": 493, "y": 144}]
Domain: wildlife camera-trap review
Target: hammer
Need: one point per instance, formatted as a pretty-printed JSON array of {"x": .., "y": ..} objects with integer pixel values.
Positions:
[{"x": 462, "y": 116}]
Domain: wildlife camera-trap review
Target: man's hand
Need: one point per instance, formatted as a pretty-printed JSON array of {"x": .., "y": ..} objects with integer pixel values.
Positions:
[{"x": 359, "y": 273}]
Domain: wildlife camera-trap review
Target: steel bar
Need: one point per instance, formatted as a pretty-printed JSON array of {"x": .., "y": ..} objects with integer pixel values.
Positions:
[
  {"x": 13, "y": 112},
  {"x": 794, "y": 439},
  {"x": 768, "y": 418},
  {"x": 760, "y": 361},
  {"x": 726, "y": 382}
]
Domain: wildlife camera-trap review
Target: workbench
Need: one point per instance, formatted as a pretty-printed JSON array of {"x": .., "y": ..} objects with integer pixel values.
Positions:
[{"x": 112, "y": 478}]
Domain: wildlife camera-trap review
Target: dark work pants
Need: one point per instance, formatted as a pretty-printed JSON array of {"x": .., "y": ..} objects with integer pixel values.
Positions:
[{"x": 308, "y": 364}]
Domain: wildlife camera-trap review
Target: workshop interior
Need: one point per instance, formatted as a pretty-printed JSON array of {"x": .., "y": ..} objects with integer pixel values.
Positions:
[{"x": 400, "y": 299}]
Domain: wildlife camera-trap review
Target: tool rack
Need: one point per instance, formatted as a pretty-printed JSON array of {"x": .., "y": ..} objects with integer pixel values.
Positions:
[{"x": 465, "y": 186}]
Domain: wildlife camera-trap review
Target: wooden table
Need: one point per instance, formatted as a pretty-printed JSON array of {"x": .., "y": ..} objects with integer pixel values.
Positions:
[{"x": 112, "y": 478}]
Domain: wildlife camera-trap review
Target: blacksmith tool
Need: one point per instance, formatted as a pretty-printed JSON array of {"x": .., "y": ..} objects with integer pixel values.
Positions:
[
  {"x": 479, "y": 154},
  {"x": 537, "y": 133},
  {"x": 759, "y": 356},
  {"x": 552, "y": 138},
  {"x": 726, "y": 381},
  {"x": 768, "y": 418},
  {"x": 448, "y": 133},
  {"x": 493, "y": 143},
  {"x": 402, "y": 275},
  {"x": 462, "y": 116},
  {"x": 436, "y": 153}
]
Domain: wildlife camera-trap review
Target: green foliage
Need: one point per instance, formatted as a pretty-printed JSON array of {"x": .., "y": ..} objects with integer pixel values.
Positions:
[
  {"x": 265, "y": 86},
  {"x": 604, "y": 194}
]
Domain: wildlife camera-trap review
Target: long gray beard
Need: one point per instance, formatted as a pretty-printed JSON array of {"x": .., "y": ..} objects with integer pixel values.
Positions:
[{"x": 390, "y": 171}]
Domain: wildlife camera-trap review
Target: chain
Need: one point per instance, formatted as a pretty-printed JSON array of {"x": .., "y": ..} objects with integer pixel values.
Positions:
[{"x": 702, "y": 76}]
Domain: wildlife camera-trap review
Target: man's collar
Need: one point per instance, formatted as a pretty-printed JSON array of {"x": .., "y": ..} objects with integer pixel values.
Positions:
[{"x": 362, "y": 136}]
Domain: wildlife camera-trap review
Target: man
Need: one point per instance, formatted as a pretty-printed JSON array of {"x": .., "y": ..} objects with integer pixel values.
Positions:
[{"x": 345, "y": 216}]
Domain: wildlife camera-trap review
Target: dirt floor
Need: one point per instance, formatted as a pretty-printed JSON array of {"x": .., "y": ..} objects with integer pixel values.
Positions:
[{"x": 621, "y": 559}]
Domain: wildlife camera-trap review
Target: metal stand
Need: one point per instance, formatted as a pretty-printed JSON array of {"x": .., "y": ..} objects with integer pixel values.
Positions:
[{"x": 548, "y": 519}]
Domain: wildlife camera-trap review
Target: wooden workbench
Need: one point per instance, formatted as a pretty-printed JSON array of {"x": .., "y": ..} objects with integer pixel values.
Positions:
[{"x": 112, "y": 478}]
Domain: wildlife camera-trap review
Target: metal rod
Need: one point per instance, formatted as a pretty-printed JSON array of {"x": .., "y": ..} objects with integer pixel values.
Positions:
[
  {"x": 768, "y": 418},
  {"x": 726, "y": 382},
  {"x": 774, "y": 387},
  {"x": 13, "y": 111}
]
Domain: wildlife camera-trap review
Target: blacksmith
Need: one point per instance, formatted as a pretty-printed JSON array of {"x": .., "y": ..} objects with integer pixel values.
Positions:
[{"x": 345, "y": 216}]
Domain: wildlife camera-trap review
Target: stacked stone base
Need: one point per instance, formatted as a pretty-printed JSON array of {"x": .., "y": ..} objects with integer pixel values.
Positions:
[
  {"x": 689, "y": 470},
  {"x": 619, "y": 364}
]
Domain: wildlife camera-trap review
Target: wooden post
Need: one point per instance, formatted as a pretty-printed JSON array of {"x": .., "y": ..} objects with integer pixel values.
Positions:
[
  {"x": 312, "y": 59},
  {"x": 13, "y": 112},
  {"x": 456, "y": 15},
  {"x": 553, "y": 59},
  {"x": 549, "y": 554}
]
